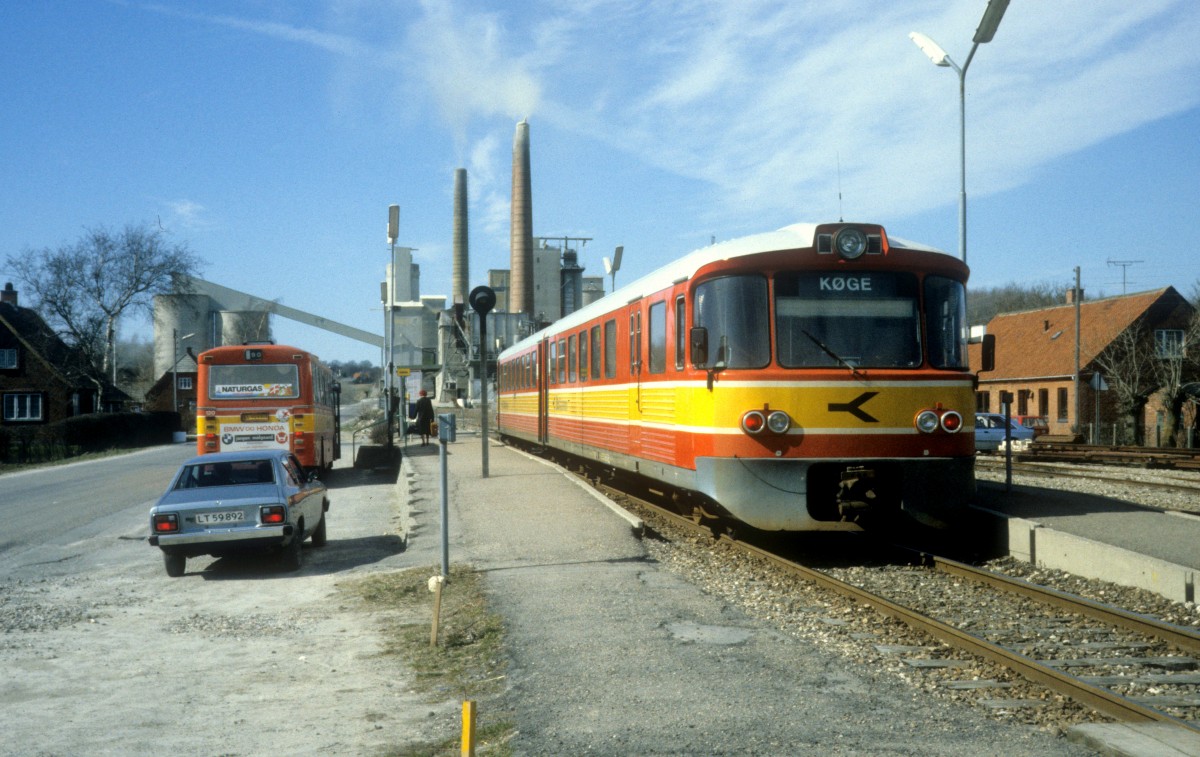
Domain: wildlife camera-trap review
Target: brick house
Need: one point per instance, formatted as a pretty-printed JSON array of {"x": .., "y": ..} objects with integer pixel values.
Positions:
[
  {"x": 180, "y": 398},
  {"x": 1035, "y": 359},
  {"x": 39, "y": 382}
]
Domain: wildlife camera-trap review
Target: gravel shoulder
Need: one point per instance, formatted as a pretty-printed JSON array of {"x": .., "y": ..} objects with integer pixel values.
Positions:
[{"x": 104, "y": 654}]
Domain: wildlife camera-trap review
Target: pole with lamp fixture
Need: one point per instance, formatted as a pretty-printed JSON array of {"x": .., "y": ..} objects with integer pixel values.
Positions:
[
  {"x": 983, "y": 34},
  {"x": 175, "y": 369},
  {"x": 393, "y": 233}
]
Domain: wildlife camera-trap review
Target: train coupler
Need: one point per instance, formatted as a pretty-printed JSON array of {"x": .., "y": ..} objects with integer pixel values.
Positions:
[{"x": 856, "y": 493}]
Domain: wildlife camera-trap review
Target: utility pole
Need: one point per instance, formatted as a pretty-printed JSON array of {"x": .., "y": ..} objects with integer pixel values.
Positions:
[{"x": 1078, "y": 295}]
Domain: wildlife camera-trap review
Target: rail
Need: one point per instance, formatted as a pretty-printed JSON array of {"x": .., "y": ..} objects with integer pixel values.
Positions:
[{"x": 1044, "y": 673}]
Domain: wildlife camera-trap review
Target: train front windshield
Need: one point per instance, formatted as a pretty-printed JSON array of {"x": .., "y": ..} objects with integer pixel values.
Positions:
[{"x": 870, "y": 319}]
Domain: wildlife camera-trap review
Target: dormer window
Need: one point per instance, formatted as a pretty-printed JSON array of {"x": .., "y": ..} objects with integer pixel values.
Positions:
[{"x": 8, "y": 359}]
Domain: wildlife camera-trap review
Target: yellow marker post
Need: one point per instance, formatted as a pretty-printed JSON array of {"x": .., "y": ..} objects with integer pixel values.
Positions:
[{"x": 468, "y": 728}]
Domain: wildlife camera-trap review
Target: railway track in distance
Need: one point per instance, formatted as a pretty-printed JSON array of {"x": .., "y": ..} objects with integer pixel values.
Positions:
[{"x": 1135, "y": 668}]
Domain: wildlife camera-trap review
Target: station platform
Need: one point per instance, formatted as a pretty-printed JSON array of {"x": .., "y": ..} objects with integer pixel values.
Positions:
[
  {"x": 613, "y": 654},
  {"x": 1097, "y": 537}
]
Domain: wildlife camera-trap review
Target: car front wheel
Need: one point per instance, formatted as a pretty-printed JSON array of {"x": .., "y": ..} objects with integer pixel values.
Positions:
[{"x": 175, "y": 564}]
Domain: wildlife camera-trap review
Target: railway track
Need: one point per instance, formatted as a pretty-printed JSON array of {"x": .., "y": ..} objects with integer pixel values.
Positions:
[
  {"x": 1142, "y": 457},
  {"x": 1184, "y": 481},
  {"x": 1116, "y": 663}
]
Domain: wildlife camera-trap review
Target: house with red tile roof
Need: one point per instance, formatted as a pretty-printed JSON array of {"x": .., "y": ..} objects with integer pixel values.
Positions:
[
  {"x": 1039, "y": 363},
  {"x": 41, "y": 378}
]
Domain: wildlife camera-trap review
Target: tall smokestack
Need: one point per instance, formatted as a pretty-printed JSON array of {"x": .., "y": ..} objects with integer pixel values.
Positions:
[
  {"x": 521, "y": 276},
  {"x": 459, "y": 273}
]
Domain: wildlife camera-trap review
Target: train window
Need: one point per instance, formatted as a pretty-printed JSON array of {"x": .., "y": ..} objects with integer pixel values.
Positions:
[
  {"x": 583, "y": 355},
  {"x": 635, "y": 341},
  {"x": 680, "y": 333},
  {"x": 571, "y": 374},
  {"x": 864, "y": 319},
  {"x": 657, "y": 337},
  {"x": 733, "y": 310},
  {"x": 562, "y": 361},
  {"x": 610, "y": 348},
  {"x": 595, "y": 352},
  {"x": 552, "y": 362},
  {"x": 946, "y": 322}
]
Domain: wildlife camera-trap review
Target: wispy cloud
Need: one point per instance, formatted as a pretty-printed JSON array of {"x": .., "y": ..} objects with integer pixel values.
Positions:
[{"x": 186, "y": 214}]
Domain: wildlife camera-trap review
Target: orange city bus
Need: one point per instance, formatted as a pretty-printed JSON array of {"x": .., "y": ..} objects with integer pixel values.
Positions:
[{"x": 267, "y": 396}]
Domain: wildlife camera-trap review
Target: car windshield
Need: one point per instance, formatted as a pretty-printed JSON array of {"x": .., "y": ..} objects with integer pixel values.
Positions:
[{"x": 226, "y": 473}]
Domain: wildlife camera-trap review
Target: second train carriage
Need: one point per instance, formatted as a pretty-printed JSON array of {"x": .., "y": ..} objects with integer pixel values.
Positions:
[{"x": 796, "y": 380}]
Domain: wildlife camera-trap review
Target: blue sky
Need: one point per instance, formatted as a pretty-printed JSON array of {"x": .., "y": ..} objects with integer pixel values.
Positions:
[{"x": 271, "y": 135}]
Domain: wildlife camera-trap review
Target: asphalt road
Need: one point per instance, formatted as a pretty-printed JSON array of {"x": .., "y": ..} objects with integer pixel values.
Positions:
[
  {"x": 235, "y": 657},
  {"x": 59, "y": 504}
]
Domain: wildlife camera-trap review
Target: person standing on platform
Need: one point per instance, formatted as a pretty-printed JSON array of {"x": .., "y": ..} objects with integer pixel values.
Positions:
[{"x": 424, "y": 416}]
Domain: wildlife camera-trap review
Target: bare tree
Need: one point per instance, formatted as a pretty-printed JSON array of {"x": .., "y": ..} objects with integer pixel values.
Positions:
[
  {"x": 983, "y": 304},
  {"x": 1175, "y": 364},
  {"x": 81, "y": 289},
  {"x": 1128, "y": 367}
]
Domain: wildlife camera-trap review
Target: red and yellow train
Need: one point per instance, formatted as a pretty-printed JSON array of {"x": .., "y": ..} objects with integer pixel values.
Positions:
[{"x": 803, "y": 379}]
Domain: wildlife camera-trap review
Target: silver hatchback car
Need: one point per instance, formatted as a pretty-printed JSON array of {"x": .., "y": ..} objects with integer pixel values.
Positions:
[
  {"x": 989, "y": 432},
  {"x": 229, "y": 502}
]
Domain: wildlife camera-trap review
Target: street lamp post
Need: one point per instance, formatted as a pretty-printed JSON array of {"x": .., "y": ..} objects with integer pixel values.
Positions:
[
  {"x": 987, "y": 29},
  {"x": 175, "y": 368}
]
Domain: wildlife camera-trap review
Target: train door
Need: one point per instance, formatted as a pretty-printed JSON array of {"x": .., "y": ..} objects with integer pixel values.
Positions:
[
  {"x": 634, "y": 408},
  {"x": 543, "y": 390}
]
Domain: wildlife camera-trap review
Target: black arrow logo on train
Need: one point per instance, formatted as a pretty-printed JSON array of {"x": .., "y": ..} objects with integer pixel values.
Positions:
[{"x": 854, "y": 407}]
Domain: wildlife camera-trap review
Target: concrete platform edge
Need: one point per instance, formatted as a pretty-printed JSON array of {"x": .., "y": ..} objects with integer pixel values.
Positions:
[
  {"x": 1032, "y": 542},
  {"x": 634, "y": 522}
]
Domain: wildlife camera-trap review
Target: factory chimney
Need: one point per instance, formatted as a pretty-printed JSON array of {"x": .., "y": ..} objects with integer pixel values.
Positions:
[
  {"x": 459, "y": 273},
  {"x": 521, "y": 239}
]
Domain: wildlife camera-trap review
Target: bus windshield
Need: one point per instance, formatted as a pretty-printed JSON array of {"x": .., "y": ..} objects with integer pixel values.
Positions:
[
  {"x": 826, "y": 319},
  {"x": 230, "y": 382}
]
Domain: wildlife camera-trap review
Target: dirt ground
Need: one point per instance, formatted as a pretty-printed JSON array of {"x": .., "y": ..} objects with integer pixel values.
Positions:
[{"x": 102, "y": 653}]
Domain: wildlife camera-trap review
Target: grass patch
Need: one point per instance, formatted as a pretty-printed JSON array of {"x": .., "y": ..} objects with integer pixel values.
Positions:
[{"x": 467, "y": 663}]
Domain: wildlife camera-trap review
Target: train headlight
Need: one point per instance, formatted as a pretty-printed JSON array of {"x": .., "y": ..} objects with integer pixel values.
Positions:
[
  {"x": 927, "y": 421},
  {"x": 753, "y": 422},
  {"x": 779, "y": 422},
  {"x": 850, "y": 243},
  {"x": 952, "y": 421}
]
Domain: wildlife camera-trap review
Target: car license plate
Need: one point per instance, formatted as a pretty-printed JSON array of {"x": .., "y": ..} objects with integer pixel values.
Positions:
[{"x": 232, "y": 516}]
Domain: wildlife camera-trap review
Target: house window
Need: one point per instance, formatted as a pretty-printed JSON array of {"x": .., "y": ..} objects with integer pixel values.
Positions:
[
  {"x": 185, "y": 382},
  {"x": 8, "y": 359},
  {"x": 1062, "y": 404},
  {"x": 1043, "y": 402},
  {"x": 22, "y": 407},
  {"x": 1168, "y": 343}
]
